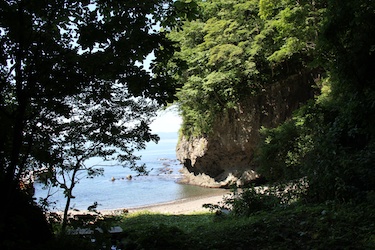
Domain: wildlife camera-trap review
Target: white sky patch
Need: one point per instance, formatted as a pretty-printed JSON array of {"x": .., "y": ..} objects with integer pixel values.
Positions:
[{"x": 166, "y": 121}]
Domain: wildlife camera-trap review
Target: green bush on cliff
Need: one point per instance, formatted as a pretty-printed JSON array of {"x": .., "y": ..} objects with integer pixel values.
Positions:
[
  {"x": 319, "y": 142},
  {"x": 331, "y": 140},
  {"x": 233, "y": 50}
]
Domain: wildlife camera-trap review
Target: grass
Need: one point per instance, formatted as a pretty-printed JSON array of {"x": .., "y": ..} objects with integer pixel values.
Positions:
[
  {"x": 137, "y": 221},
  {"x": 321, "y": 226},
  {"x": 297, "y": 226}
]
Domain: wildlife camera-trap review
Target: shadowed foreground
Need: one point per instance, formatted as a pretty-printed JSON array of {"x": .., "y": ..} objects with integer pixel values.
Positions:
[{"x": 328, "y": 226}]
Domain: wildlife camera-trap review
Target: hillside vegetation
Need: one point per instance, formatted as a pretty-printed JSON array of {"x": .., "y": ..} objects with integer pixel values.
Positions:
[
  {"x": 228, "y": 54},
  {"x": 319, "y": 164},
  {"x": 236, "y": 48}
]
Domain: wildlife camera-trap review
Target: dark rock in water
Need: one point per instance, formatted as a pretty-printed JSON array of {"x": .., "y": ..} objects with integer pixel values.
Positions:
[
  {"x": 165, "y": 170},
  {"x": 166, "y": 164}
]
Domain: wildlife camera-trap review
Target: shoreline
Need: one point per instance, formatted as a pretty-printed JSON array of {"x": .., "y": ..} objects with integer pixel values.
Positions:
[
  {"x": 177, "y": 207},
  {"x": 183, "y": 206}
]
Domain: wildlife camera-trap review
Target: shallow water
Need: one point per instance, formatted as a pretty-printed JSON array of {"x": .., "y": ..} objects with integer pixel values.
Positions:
[{"x": 159, "y": 186}]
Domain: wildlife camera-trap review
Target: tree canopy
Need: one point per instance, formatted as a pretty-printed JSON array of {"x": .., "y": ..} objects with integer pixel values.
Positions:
[
  {"x": 236, "y": 47},
  {"x": 72, "y": 84}
]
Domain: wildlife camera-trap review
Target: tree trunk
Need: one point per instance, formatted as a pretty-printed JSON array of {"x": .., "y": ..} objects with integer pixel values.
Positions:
[{"x": 68, "y": 199}]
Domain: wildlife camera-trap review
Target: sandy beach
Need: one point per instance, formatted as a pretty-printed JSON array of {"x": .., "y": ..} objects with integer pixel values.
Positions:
[{"x": 184, "y": 206}]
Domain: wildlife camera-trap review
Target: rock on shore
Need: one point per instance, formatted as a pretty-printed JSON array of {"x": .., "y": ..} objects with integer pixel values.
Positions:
[{"x": 225, "y": 156}]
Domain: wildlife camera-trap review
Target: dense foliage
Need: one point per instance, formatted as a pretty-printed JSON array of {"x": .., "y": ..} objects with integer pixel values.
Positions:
[
  {"x": 323, "y": 155},
  {"x": 235, "y": 48},
  {"x": 72, "y": 87},
  {"x": 331, "y": 139}
]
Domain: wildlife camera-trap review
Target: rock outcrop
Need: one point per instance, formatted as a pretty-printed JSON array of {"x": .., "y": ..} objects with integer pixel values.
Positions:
[{"x": 225, "y": 157}]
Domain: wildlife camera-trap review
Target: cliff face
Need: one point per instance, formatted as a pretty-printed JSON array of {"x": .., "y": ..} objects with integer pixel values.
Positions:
[{"x": 225, "y": 157}]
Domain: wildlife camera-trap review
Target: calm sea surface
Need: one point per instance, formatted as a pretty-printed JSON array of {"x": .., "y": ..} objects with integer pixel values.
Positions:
[{"x": 159, "y": 186}]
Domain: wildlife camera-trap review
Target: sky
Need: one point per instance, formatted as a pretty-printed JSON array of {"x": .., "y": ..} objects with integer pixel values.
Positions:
[{"x": 167, "y": 120}]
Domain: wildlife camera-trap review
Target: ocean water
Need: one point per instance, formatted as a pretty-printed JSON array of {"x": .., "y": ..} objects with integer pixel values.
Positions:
[{"x": 114, "y": 191}]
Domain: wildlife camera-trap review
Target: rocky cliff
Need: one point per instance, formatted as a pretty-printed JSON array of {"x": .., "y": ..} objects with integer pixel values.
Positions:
[{"x": 225, "y": 157}]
